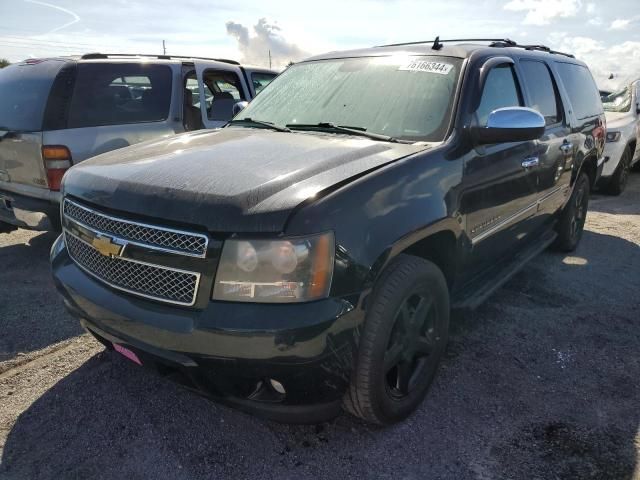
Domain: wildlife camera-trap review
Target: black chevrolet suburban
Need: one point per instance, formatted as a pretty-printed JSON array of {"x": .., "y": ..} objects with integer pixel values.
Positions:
[{"x": 306, "y": 257}]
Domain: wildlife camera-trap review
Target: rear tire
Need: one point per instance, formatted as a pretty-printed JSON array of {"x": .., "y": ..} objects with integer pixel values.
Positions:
[
  {"x": 573, "y": 217},
  {"x": 620, "y": 177},
  {"x": 403, "y": 339}
]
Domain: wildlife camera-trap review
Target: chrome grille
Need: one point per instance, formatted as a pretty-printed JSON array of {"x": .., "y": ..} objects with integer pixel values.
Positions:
[
  {"x": 150, "y": 281},
  {"x": 184, "y": 243}
]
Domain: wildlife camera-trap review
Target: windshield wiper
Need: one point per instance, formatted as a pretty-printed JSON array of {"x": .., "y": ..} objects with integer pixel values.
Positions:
[
  {"x": 263, "y": 123},
  {"x": 342, "y": 128}
]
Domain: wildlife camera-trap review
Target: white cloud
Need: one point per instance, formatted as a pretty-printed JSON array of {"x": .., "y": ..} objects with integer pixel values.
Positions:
[
  {"x": 267, "y": 39},
  {"x": 591, "y": 8},
  {"x": 542, "y": 12},
  {"x": 620, "y": 24}
]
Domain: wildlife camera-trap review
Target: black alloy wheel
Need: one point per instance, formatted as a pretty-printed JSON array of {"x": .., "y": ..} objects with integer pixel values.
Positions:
[
  {"x": 571, "y": 223},
  {"x": 413, "y": 339},
  {"x": 619, "y": 179},
  {"x": 402, "y": 341}
]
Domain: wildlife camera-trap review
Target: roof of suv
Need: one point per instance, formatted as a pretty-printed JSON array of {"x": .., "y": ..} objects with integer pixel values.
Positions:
[
  {"x": 447, "y": 48},
  {"x": 128, "y": 57}
]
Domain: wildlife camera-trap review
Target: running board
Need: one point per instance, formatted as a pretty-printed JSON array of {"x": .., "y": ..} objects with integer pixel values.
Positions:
[{"x": 472, "y": 294}]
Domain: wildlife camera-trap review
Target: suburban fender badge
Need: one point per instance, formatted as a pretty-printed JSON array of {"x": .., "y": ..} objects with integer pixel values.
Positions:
[{"x": 107, "y": 246}]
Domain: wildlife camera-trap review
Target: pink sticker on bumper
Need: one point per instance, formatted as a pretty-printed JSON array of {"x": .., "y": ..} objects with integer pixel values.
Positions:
[{"x": 127, "y": 353}]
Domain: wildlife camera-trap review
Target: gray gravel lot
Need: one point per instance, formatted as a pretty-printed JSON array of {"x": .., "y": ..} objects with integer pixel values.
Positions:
[{"x": 539, "y": 383}]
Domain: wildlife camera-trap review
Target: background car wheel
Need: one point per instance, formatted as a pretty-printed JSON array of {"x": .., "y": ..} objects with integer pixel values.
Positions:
[
  {"x": 620, "y": 177},
  {"x": 574, "y": 215},
  {"x": 404, "y": 336}
]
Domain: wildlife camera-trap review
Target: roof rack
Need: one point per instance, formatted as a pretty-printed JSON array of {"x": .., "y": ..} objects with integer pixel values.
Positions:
[
  {"x": 437, "y": 41},
  {"x": 493, "y": 42},
  {"x": 97, "y": 55}
]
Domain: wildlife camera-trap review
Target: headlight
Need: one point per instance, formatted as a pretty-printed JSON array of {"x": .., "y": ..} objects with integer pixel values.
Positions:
[
  {"x": 613, "y": 136},
  {"x": 275, "y": 271}
]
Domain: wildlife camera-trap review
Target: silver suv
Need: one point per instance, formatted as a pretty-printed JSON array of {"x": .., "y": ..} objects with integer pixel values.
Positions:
[{"x": 56, "y": 112}]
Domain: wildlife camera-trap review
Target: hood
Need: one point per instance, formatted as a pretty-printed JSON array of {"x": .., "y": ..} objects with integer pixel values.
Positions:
[
  {"x": 618, "y": 119},
  {"x": 229, "y": 180}
]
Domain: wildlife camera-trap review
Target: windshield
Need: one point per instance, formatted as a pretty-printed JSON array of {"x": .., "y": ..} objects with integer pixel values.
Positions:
[
  {"x": 24, "y": 90},
  {"x": 618, "y": 101},
  {"x": 408, "y": 98}
]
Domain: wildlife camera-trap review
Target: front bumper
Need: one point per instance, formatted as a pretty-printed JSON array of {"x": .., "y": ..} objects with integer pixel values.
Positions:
[
  {"x": 29, "y": 212},
  {"x": 229, "y": 351}
]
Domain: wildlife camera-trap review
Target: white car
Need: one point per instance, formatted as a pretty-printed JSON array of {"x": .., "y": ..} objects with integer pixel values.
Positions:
[{"x": 622, "y": 150}]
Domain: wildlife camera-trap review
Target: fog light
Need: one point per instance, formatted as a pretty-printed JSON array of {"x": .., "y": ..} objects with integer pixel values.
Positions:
[{"x": 277, "y": 386}]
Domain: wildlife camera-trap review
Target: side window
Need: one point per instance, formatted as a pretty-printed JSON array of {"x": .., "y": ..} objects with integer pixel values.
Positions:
[
  {"x": 192, "y": 115},
  {"x": 261, "y": 80},
  {"x": 226, "y": 91},
  {"x": 500, "y": 90},
  {"x": 120, "y": 93},
  {"x": 581, "y": 88},
  {"x": 542, "y": 90}
]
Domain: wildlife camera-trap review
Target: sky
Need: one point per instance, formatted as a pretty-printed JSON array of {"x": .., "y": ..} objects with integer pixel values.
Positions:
[{"x": 606, "y": 35}]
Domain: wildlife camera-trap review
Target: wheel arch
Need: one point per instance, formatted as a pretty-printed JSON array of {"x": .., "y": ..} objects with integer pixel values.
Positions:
[
  {"x": 439, "y": 243},
  {"x": 589, "y": 165}
]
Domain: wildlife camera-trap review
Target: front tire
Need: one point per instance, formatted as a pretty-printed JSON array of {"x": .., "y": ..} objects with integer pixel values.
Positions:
[
  {"x": 620, "y": 177},
  {"x": 403, "y": 339},
  {"x": 573, "y": 217}
]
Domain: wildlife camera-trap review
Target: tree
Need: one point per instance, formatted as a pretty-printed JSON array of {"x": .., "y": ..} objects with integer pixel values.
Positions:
[{"x": 4, "y": 62}]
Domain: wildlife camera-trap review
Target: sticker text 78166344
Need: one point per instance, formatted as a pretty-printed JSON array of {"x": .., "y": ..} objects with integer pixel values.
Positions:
[{"x": 426, "y": 66}]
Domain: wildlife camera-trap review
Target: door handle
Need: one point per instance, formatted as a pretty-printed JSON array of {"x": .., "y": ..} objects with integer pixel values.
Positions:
[
  {"x": 566, "y": 147},
  {"x": 530, "y": 162}
]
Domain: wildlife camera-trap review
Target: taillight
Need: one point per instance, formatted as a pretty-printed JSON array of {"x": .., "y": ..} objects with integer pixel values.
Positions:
[{"x": 57, "y": 160}]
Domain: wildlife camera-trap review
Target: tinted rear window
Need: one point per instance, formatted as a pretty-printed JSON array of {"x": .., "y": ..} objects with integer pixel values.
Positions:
[
  {"x": 541, "y": 90},
  {"x": 582, "y": 90},
  {"x": 120, "y": 93},
  {"x": 24, "y": 90}
]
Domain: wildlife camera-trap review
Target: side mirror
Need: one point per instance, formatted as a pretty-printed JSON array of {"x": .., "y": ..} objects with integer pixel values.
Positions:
[
  {"x": 511, "y": 124},
  {"x": 239, "y": 106}
]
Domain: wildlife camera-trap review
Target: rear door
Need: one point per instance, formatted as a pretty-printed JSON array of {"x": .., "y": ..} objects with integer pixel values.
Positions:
[
  {"x": 499, "y": 189},
  {"x": 114, "y": 105},
  {"x": 221, "y": 87},
  {"x": 24, "y": 90},
  {"x": 555, "y": 150}
]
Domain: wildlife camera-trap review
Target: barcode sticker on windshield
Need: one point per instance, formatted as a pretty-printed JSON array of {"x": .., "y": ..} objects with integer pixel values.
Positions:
[{"x": 431, "y": 67}]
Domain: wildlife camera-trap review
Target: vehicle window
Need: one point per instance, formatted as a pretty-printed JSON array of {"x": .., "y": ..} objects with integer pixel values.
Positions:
[
  {"x": 226, "y": 91},
  {"x": 500, "y": 90},
  {"x": 542, "y": 90},
  {"x": 618, "y": 101},
  {"x": 261, "y": 80},
  {"x": 581, "y": 88},
  {"x": 192, "y": 114},
  {"x": 120, "y": 93},
  {"x": 24, "y": 90},
  {"x": 409, "y": 98}
]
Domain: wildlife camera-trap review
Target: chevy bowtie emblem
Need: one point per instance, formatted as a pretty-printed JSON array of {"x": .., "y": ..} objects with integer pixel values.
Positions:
[{"x": 106, "y": 246}]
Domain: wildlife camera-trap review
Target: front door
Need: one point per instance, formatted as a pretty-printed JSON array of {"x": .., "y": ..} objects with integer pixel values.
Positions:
[{"x": 500, "y": 190}]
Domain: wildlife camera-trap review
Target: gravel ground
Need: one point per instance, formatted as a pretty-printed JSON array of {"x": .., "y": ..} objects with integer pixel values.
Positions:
[{"x": 539, "y": 383}]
